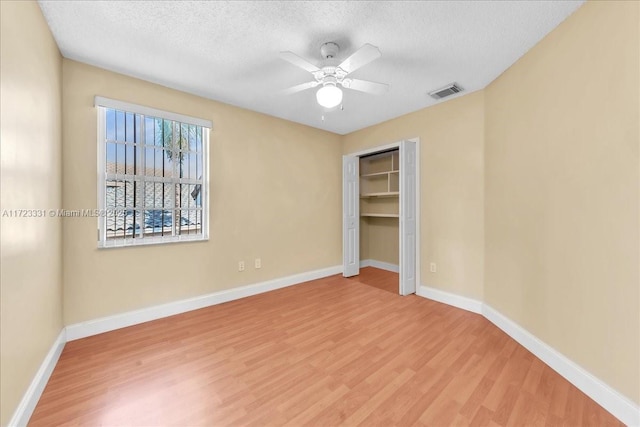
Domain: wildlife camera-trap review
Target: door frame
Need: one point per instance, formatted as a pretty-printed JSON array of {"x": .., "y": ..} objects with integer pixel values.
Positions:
[{"x": 386, "y": 147}]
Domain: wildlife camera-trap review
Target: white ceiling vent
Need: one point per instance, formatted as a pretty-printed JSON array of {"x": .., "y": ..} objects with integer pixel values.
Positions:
[{"x": 448, "y": 90}]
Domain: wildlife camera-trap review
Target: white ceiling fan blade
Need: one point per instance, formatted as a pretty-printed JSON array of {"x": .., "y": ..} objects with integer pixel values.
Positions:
[
  {"x": 366, "y": 86},
  {"x": 300, "y": 87},
  {"x": 361, "y": 57},
  {"x": 298, "y": 62}
]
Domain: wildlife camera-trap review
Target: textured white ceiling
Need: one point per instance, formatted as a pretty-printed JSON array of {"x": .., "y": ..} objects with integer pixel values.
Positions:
[{"x": 228, "y": 50}]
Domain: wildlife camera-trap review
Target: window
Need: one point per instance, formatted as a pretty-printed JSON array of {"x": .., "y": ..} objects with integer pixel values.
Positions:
[{"x": 153, "y": 175}]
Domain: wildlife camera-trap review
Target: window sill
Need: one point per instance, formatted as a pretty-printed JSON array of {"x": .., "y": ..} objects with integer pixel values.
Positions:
[{"x": 149, "y": 242}]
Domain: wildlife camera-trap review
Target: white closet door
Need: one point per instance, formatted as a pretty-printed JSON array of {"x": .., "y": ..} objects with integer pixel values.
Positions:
[
  {"x": 351, "y": 216},
  {"x": 408, "y": 217}
]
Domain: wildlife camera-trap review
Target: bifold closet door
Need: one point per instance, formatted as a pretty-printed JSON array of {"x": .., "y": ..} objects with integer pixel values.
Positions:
[
  {"x": 408, "y": 217},
  {"x": 351, "y": 216}
]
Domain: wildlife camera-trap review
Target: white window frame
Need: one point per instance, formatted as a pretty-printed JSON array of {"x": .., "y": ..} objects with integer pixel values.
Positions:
[{"x": 102, "y": 104}]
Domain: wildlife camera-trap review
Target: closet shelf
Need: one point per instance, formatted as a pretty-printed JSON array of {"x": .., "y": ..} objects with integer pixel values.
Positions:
[
  {"x": 380, "y": 215},
  {"x": 382, "y": 194},
  {"x": 366, "y": 175}
]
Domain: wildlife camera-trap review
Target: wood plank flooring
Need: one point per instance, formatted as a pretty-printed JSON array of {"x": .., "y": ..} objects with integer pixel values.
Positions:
[
  {"x": 324, "y": 353},
  {"x": 381, "y": 279}
]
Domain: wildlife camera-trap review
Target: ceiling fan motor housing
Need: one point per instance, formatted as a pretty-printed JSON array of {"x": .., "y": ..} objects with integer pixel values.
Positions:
[{"x": 330, "y": 80}]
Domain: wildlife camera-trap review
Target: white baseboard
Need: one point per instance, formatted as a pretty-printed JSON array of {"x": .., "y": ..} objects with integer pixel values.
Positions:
[
  {"x": 620, "y": 406},
  {"x": 31, "y": 397},
  {"x": 455, "y": 300},
  {"x": 380, "y": 264},
  {"x": 117, "y": 321}
]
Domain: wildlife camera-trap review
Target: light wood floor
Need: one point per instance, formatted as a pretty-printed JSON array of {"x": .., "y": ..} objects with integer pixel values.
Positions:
[
  {"x": 381, "y": 279},
  {"x": 324, "y": 353}
]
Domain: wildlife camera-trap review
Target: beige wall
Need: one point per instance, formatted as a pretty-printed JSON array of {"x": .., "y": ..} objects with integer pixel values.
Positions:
[
  {"x": 452, "y": 190},
  {"x": 275, "y": 194},
  {"x": 364, "y": 238},
  {"x": 30, "y": 278},
  {"x": 382, "y": 240},
  {"x": 562, "y": 168}
]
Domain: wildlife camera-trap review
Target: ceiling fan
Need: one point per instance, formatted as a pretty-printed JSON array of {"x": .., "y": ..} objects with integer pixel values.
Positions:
[{"x": 331, "y": 77}]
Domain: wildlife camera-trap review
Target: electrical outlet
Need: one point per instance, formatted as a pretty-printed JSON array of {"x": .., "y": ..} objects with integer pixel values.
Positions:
[
  {"x": 432, "y": 267},
  {"x": 258, "y": 263},
  {"x": 241, "y": 266}
]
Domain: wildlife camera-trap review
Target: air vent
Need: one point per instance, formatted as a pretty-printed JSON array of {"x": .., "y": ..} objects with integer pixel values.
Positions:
[{"x": 448, "y": 90}]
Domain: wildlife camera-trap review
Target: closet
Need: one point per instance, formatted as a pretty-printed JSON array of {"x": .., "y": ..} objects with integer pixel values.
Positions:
[
  {"x": 380, "y": 203},
  {"x": 380, "y": 209}
]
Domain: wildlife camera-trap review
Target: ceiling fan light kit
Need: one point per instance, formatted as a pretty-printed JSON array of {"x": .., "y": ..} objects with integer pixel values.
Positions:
[
  {"x": 329, "y": 96},
  {"x": 331, "y": 77}
]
